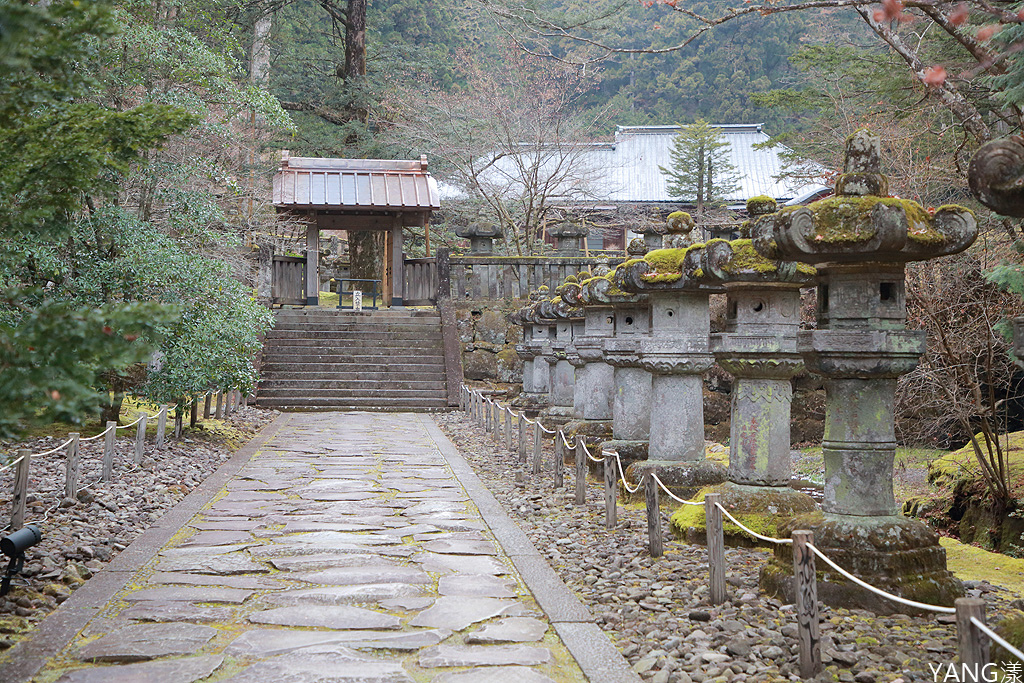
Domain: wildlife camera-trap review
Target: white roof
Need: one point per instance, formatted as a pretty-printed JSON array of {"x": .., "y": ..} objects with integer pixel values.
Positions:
[
  {"x": 628, "y": 169},
  {"x": 311, "y": 182}
]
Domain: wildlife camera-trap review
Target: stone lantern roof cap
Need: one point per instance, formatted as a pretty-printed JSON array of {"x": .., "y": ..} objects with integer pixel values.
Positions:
[
  {"x": 480, "y": 229},
  {"x": 602, "y": 290},
  {"x": 568, "y": 229},
  {"x": 677, "y": 223},
  {"x": 861, "y": 223}
]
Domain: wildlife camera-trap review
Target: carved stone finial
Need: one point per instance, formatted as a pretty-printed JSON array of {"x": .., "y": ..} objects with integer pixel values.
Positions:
[
  {"x": 636, "y": 248},
  {"x": 862, "y": 167},
  {"x": 996, "y": 175},
  {"x": 679, "y": 223},
  {"x": 761, "y": 205}
]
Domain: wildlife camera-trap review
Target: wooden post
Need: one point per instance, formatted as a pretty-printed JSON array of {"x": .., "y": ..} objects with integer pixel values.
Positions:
[
  {"x": 653, "y": 515},
  {"x": 496, "y": 423},
  {"x": 108, "y": 450},
  {"x": 179, "y": 414},
  {"x": 538, "y": 446},
  {"x": 508, "y": 430},
  {"x": 805, "y": 587},
  {"x": 228, "y": 396},
  {"x": 193, "y": 416},
  {"x": 20, "y": 489},
  {"x": 972, "y": 644},
  {"x": 521, "y": 425},
  {"x": 581, "y": 471},
  {"x": 71, "y": 468},
  {"x": 206, "y": 406},
  {"x": 486, "y": 406},
  {"x": 219, "y": 410},
  {"x": 611, "y": 492},
  {"x": 140, "y": 438},
  {"x": 161, "y": 426},
  {"x": 559, "y": 460},
  {"x": 716, "y": 548}
]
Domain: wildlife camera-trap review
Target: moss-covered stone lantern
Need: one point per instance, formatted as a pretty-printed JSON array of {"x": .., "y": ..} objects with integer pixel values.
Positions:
[
  {"x": 859, "y": 240},
  {"x": 537, "y": 333},
  {"x": 678, "y": 283},
  {"x": 567, "y": 322}
]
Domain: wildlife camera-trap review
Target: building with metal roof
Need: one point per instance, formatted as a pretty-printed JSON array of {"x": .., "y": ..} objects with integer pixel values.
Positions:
[{"x": 349, "y": 195}]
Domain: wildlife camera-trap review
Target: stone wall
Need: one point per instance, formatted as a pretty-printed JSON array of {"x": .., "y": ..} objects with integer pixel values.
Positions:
[{"x": 489, "y": 340}]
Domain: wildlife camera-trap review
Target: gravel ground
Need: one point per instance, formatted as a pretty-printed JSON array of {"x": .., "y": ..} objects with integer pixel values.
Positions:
[
  {"x": 657, "y": 612},
  {"x": 81, "y": 536}
]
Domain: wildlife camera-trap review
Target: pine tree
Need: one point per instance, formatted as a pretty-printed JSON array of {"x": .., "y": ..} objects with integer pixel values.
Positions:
[{"x": 701, "y": 170}]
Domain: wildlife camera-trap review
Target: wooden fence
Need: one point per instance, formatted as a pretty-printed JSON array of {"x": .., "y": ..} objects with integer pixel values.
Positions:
[
  {"x": 289, "y": 280},
  {"x": 492, "y": 277}
]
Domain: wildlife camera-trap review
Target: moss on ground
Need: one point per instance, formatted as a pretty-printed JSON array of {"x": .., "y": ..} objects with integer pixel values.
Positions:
[{"x": 969, "y": 562}]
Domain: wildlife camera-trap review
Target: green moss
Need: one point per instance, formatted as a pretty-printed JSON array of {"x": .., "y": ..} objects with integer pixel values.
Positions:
[
  {"x": 761, "y": 204},
  {"x": 866, "y": 640},
  {"x": 746, "y": 258},
  {"x": 848, "y": 219},
  {"x": 679, "y": 222},
  {"x": 968, "y": 562},
  {"x": 1012, "y": 631},
  {"x": 667, "y": 264},
  {"x": 962, "y": 465}
]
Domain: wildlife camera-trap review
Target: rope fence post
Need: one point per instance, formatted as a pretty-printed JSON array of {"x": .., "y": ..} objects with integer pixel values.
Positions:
[
  {"x": 487, "y": 415},
  {"x": 219, "y": 411},
  {"x": 108, "y": 450},
  {"x": 581, "y": 471},
  {"x": 71, "y": 467},
  {"x": 508, "y": 430},
  {"x": 805, "y": 587},
  {"x": 140, "y": 439},
  {"x": 559, "y": 461},
  {"x": 179, "y": 415},
  {"x": 611, "y": 493},
  {"x": 496, "y": 423},
  {"x": 193, "y": 416},
  {"x": 538, "y": 446},
  {"x": 972, "y": 645},
  {"x": 716, "y": 548},
  {"x": 654, "y": 542},
  {"x": 206, "y": 405},
  {"x": 161, "y": 426},
  {"x": 521, "y": 424},
  {"x": 20, "y": 494}
]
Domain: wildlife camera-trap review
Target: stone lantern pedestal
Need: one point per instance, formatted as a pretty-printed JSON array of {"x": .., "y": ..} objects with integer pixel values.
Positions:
[
  {"x": 859, "y": 241},
  {"x": 536, "y": 343},
  {"x": 595, "y": 379}
]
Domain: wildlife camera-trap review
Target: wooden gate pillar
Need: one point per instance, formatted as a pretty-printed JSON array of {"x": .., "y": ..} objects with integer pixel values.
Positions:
[
  {"x": 312, "y": 264},
  {"x": 397, "y": 265}
]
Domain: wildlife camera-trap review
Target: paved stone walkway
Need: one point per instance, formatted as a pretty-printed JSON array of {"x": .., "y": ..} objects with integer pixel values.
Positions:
[{"x": 345, "y": 549}]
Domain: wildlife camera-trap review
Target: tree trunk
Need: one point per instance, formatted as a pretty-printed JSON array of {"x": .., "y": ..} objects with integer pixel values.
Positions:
[
  {"x": 259, "y": 55},
  {"x": 112, "y": 410},
  {"x": 355, "y": 49},
  {"x": 366, "y": 250}
]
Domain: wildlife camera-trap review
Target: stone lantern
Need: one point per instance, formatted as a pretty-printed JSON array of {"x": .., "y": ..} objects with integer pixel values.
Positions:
[
  {"x": 677, "y": 227},
  {"x": 563, "y": 374},
  {"x": 759, "y": 349},
  {"x": 595, "y": 379},
  {"x": 859, "y": 240},
  {"x": 631, "y": 394},
  {"x": 536, "y": 343},
  {"x": 678, "y": 283},
  {"x": 481, "y": 236},
  {"x": 569, "y": 238}
]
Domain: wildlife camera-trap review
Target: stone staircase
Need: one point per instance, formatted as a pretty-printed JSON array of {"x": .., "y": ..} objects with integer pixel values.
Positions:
[{"x": 326, "y": 359}]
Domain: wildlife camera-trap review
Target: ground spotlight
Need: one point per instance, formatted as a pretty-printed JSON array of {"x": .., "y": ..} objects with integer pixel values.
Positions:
[{"x": 14, "y": 545}]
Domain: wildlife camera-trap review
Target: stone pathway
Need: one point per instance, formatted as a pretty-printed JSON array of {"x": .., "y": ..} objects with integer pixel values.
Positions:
[{"x": 346, "y": 549}]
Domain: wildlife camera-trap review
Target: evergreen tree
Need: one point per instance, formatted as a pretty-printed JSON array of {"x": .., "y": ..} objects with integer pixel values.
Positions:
[{"x": 701, "y": 170}]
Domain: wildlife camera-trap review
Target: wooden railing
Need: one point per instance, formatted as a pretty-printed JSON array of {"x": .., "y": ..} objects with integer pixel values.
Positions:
[{"x": 492, "y": 277}]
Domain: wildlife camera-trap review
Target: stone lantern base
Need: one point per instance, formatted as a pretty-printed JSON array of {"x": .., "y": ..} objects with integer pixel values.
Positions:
[
  {"x": 593, "y": 432},
  {"x": 899, "y": 555},
  {"x": 763, "y": 509},
  {"x": 554, "y": 417},
  {"x": 530, "y": 402},
  {"x": 684, "y": 478},
  {"x": 629, "y": 453}
]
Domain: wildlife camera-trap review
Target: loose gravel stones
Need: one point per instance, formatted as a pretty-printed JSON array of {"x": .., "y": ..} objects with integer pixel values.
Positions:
[{"x": 656, "y": 610}]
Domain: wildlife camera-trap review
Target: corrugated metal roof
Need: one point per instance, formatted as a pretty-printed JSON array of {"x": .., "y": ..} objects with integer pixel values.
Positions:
[
  {"x": 628, "y": 170},
  {"x": 309, "y": 182}
]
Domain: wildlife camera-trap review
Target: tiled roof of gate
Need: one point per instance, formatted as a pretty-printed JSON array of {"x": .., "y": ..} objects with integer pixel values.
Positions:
[{"x": 324, "y": 183}]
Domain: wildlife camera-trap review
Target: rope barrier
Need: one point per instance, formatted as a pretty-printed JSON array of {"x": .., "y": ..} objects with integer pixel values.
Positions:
[
  {"x": 879, "y": 591},
  {"x": 52, "y": 450},
  {"x": 589, "y": 456},
  {"x": 137, "y": 421},
  {"x": 548, "y": 431},
  {"x": 670, "y": 494},
  {"x": 93, "y": 438},
  {"x": 995, "y": 637},
  {"x": 565, "y": 441},
  {"x": 769, "y": 539},
  {"x": 622, "y": 475},
  {"x": 11, "y": 464}
]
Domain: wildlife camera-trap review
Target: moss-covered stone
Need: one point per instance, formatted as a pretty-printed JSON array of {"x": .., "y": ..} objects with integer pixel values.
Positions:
[
  {"x": 746, "y": 259},
  {"x": 761, "y": 509},
  {"x": 760, "y": 205},
  {"x": 1011, "y": 629},
  {"x": 848, "y": 219}
]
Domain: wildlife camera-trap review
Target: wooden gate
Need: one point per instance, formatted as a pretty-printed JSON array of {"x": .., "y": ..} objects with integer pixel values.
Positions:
[{"x": 289, "y": 283}]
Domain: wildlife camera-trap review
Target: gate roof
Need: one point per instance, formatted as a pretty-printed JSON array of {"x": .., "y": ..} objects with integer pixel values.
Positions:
[{"x": 365, "y": 185}]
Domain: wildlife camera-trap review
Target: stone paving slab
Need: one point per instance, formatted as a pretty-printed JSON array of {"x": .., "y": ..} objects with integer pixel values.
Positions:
[{"x": 258, "y": 582}]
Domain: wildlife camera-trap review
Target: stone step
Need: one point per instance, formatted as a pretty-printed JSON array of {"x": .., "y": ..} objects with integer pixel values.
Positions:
[
  {"x": 380, "y": 356},
  {"x": 349, "y": 394},
  {"x": 348, "y": 341},
  {"x": 343, "y": 371},
  {"x": 383, "y": 375},
  {"x": 384, "y": 405},
  {"x": 364, "y": 317},
  {"x": 356, "y": 333},
  {"x": 409, "y": 384},
  {"x": 407, "y": 330}
]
